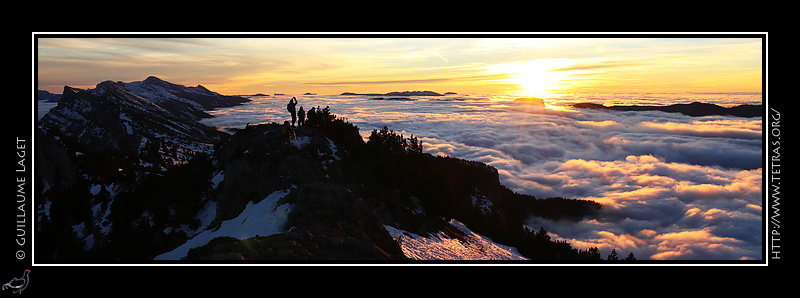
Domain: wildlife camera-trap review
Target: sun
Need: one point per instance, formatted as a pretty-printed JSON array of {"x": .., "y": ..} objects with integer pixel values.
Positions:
[
  {"x": 536, "y": 83},
  {"x": 535, "y": 78}
]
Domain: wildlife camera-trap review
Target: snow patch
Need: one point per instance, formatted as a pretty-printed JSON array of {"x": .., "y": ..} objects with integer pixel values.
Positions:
[
  {"x": 206, "y": 216},
  {"x": 95, "y": 189},
  {"x": 301, "y": 142},
  {"x": 482, "y": 203},
  {"x": 126, "y": 121},
  {"x": 217, "y": 179},
  {"x": 43, "y": 211},
  {"x": 88, "y": 242},
  {"x": 257, "y": 219},
  {"x": 79, "y": 231},
  {"x": 332, "y": 146}
]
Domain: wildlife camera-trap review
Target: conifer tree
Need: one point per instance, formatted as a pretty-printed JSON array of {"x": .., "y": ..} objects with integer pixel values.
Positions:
[{"x": 613, "y": 255}]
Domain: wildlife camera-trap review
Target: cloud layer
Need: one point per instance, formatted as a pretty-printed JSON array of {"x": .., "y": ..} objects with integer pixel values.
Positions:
[{"x": 674, "y": 187}]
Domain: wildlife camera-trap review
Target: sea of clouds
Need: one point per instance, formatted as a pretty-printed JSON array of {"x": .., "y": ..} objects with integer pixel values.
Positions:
[{"x": 674, "y": 187}]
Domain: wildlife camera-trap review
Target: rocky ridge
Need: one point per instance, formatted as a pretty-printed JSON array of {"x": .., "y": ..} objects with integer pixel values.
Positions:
[
  {"x": 126, "y": 172},
  {"x": 695, "y": 109}
]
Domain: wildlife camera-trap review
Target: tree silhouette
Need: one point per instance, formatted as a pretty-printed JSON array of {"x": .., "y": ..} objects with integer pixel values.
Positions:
[
  {"x": 388, "y": 141},
  {"x": 613, "y": 255}
]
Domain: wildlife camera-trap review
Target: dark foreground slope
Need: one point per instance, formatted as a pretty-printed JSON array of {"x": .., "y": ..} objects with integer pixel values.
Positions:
[
  {"x": 135, "y": 184},
  {"x": 344, "y": 190}
]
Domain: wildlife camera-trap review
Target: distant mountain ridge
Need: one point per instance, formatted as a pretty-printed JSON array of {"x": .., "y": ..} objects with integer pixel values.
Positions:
[
  {"x": 398, "y": 93},
  {"x": 47, "y": 96},
  {"x": 695, "y": 109}
]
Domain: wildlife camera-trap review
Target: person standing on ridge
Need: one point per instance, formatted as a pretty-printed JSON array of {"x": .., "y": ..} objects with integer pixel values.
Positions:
[
  {"x": 288, "y": 133},
  {"x": 311, "y": 115},
  {"x": 290, "y": 107},
  {"x": 301, "y": 117}
]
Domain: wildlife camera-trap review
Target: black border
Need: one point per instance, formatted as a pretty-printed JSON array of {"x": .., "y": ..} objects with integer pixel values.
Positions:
[{"x": 147, "y": 275}]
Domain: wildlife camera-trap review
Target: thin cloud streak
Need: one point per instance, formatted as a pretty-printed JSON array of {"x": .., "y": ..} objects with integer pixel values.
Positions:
[{"x": 415, "y": 81}]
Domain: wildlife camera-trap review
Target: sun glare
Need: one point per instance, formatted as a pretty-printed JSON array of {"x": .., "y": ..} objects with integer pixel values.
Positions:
[{"x": 537, "y": 78}]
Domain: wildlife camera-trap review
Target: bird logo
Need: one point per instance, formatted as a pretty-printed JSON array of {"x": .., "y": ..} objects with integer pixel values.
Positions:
[{"x": 17, "y": 284}]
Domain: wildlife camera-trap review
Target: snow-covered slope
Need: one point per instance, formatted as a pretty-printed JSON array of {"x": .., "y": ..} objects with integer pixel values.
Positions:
[
  {"x": 441, "y": 246},
  {"x": 264, "y": 218}
]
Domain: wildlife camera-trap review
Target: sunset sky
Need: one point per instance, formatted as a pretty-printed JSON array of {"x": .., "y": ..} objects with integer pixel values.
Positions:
[{"x": 509, "y": 64}]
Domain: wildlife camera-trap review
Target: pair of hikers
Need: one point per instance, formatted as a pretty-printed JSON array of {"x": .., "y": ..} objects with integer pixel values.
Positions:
[{"x": 295, "y": 114}]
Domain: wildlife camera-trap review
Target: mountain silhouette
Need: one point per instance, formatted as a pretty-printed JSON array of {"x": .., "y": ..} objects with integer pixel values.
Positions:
[{"x": 129, "y": 173}]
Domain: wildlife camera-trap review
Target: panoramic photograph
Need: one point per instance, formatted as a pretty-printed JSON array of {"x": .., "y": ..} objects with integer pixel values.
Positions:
[{"x": 399, "y": 149}]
